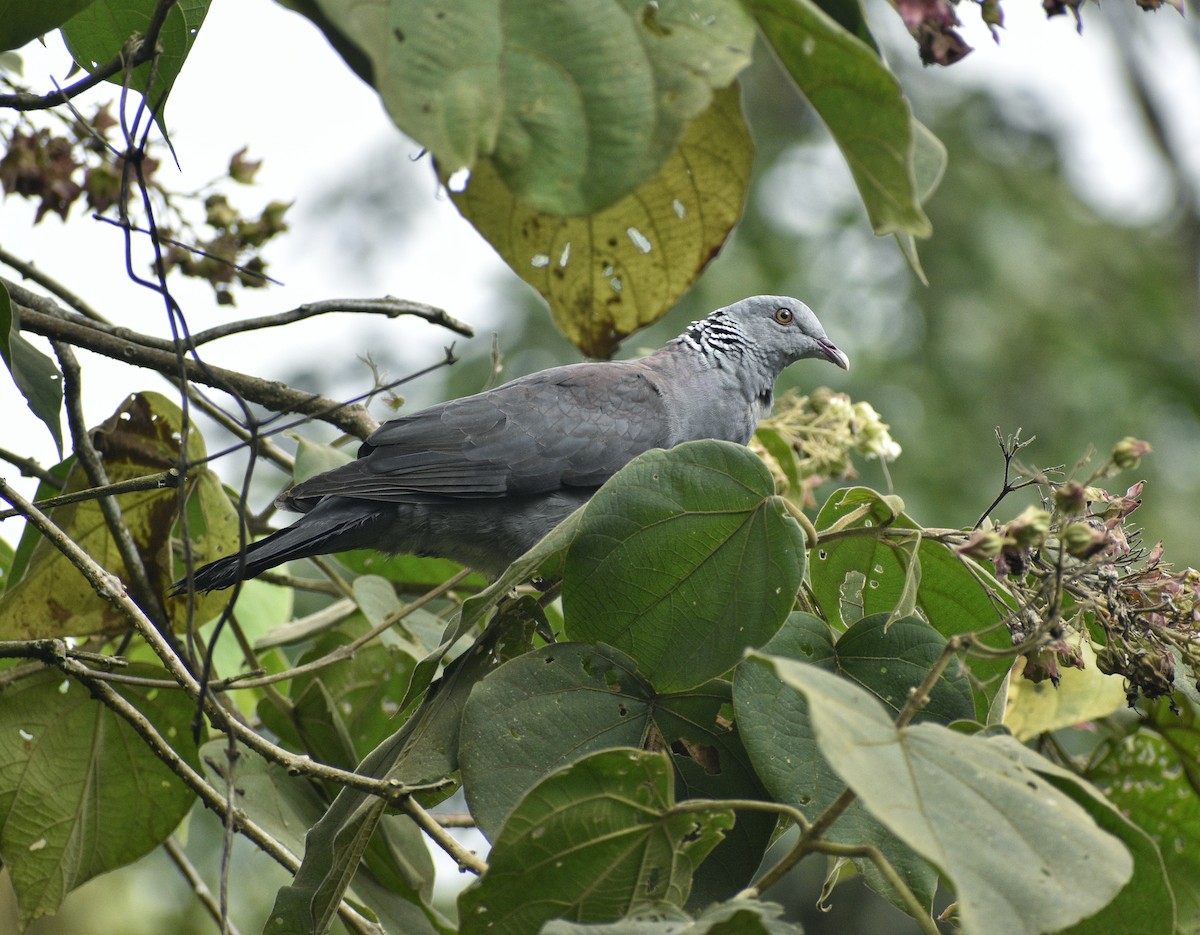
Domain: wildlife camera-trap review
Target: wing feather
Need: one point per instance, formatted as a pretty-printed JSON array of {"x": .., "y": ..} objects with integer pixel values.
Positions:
[{"x": 572, "y": 426}]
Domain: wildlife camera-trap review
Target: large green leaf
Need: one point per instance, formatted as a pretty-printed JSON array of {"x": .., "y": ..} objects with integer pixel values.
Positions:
[
  {"x": 1021, "y": 855},
  {"x": 1146, "y": 905},
  {"x": 552, "y": 706},
  {"x": 576, "y": 103},
  {"x": 776, "y": 727},
  {"x": 1153, "y": 776},
  {"x": 36, "y": 375},
  {"x": 683, "y": 559},
  {"x": 860, "y": 101},
  {"x": 22, "y": 21},
  {"x": 862, "y": 567},
  {"x": 53, "y": 599},
  {"x": 80, "y": 792},
  {"x": 607, "y": 274},
  {"x": 600, "y": 837},
  {"x": 99, "y": 32}
]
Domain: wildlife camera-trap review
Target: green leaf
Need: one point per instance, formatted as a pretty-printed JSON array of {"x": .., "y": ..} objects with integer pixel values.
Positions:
[
  {"x": 855, "y": 575},
  {"x": 547, "y": 708},
  {"x": 80, "y": 792},
  {"x": 890, "y": 661},
  {"x": 313, "y": 458},
  {"x": 36, "y": 375},
  {"x": 575, "y": 103},
  {"x": 607, "y": 274},
  {"x": 860, "y": 101},
  {"x": 101, "y": 31},
  {"x": 142, "y": 437},
  {"x": 1146, "y": 905},
  {"x": 22, "y": 21},
  {"x": 1021, "y": 855},
  {"x": 30, "y": 536},
  {"x": 776, "y": 727},
  {"x": 544, "y": 559},
  {"x": 600, "y": 836},
  {"x": 683, "y": 559},
  {"x": 929, "y": 165},
  {"x": 1152, "y": 778}
]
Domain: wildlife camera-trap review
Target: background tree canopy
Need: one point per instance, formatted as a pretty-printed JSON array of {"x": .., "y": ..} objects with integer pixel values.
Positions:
[{"x": 965, "y": 680}]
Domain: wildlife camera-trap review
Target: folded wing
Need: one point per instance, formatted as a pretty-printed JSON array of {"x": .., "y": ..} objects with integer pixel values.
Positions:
[{"x": 567, "y": 427}]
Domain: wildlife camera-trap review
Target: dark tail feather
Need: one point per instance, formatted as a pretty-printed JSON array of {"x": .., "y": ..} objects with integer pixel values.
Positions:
[{"x": 331, "y": 526}]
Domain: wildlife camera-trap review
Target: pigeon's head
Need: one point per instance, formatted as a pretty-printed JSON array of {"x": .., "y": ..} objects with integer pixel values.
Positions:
[{"x": 776, "y": 329}]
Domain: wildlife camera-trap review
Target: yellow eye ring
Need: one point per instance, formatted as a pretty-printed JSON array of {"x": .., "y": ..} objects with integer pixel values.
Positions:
[{"x": 784, "y": 316}]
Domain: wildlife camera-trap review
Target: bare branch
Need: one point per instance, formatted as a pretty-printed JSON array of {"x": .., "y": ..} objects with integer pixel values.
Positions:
[
  {"x": 133, "y": 485},
  {"x": 273, "y": 394},
  {"x": 389, "y": 305}
]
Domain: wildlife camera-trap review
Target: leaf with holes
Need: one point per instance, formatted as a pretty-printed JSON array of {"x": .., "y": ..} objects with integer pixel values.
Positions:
[
  {"x": 600, "y": 836},
  {"x": 142, "y": 437},
  {"x": 683, "y": 559},
  {"x": 855, "y": 575},
  {"x": 607, "y": 274}
]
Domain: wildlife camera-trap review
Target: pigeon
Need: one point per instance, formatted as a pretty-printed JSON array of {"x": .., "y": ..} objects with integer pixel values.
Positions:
[{"x": 481, "y": 479}]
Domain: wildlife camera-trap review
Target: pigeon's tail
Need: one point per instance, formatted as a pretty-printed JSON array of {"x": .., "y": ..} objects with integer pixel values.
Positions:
[{"x": 334, "y": 525}]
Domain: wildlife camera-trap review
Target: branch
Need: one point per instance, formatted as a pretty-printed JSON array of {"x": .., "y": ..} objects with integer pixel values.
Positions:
[
  {"x": 388, "y": 305},
  {"x": 133, "y": 485},
  {"x": 30, "y": 468},
  {"x": 137, "y": 51},
  {"x": 273, "y": 394},
  {"x": 196, "y": 882}
]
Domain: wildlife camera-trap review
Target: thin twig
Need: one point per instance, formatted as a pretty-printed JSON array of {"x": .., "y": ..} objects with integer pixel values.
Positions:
[
  {"x": 275, "y": 395},
  {"x": 389, "y": 305},
  {"x": 30, "y": 468},
  {"x": 466, "y": 860},
  {"x": 161, "y": 481},
  {"x": 196, "y": 882},
  {"x": 31, "y": 272}
]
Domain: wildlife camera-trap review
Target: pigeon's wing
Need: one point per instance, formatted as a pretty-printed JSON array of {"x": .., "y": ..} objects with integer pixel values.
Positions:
[{"x": 570, "y": 426}]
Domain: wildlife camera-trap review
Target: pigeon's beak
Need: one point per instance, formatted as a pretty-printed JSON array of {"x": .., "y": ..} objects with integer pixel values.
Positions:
[{"x": 833, "y": 353}]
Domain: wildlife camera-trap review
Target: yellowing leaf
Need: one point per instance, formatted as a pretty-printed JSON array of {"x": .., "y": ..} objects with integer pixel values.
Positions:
[
  {"x": 53, "y": 598},
  {"x": 610, "y": 273},
  {"x": 1081, "y": 695}
]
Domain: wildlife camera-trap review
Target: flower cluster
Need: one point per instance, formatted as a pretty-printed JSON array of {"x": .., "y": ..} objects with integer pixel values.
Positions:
[
  {"x": 1076, "y": 564},
  {"x": 84, "y": 161},
  {"x": 808, "y": 440}
]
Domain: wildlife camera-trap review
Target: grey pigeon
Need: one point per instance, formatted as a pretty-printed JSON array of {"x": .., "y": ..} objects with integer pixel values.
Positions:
[{"x": 482, "y": 479}]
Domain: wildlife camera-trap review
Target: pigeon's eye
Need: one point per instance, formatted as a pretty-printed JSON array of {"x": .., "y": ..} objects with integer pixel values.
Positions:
[{"x": 784, "y": 316}]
